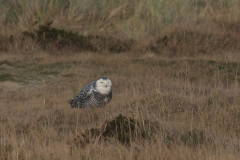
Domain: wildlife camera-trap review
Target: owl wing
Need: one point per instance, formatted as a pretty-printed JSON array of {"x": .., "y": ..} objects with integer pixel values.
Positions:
[
  {"x": 110, "y": 96},
  {"x": 83, "y": 97}
]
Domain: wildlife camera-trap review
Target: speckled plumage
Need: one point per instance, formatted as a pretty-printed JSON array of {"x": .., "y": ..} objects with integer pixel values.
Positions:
[{"x": 91, "y": 96}]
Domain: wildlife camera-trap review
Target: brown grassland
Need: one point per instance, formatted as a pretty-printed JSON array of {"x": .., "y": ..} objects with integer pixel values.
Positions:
[{"x": 174, "y": 67}]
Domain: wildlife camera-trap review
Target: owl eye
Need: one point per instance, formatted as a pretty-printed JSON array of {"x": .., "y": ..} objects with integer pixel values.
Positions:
[{"x": 101, "y": 82}]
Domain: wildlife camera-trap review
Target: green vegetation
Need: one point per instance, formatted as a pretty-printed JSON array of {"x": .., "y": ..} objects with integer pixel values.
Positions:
[
  {"x": 6, "y": 77},
  {"x": 49, "y": 37}
]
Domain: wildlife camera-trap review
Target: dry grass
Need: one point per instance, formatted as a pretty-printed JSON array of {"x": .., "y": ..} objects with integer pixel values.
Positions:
[
  {"x": 182, "y": 95},
  {"x": 179, "y": 75}
]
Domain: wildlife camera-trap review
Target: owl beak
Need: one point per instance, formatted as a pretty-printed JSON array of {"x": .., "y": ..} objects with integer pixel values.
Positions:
[{"x": 106, "y": 86}]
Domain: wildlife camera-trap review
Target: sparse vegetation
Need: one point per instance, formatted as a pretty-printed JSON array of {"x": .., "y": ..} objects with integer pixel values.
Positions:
[{"x": 175, "y": 79}]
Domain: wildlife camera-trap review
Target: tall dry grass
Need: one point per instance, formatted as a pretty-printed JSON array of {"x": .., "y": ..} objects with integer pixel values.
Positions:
[
  {"x": 180, "y": 73},
  {"x": 134, "y": 18}
]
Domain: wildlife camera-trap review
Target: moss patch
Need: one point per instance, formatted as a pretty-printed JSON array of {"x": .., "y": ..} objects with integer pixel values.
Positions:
[
  {"x": 50, "y": 37},
  {"x": 6, "y": 77}
]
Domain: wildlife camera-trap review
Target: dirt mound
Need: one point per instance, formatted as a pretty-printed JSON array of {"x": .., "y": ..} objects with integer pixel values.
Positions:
[{"x": 124, "y": 129}]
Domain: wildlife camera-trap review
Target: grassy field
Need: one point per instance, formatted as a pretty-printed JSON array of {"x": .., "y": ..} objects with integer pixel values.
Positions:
[{"x": 174, "y": 67}]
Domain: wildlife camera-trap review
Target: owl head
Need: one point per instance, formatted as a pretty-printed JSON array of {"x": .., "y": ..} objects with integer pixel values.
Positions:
[{"x": 103, "y": 85}]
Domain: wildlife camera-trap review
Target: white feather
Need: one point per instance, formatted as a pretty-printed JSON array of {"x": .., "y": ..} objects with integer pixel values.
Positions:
[{"x": 103, "y": 86}]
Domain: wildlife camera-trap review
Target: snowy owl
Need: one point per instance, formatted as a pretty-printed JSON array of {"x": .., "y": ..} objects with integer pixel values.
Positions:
[{"x": 95, "y": 94}]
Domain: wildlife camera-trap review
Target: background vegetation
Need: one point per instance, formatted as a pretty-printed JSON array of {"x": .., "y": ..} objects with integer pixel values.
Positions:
[{"x": 174, "y": 66}]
